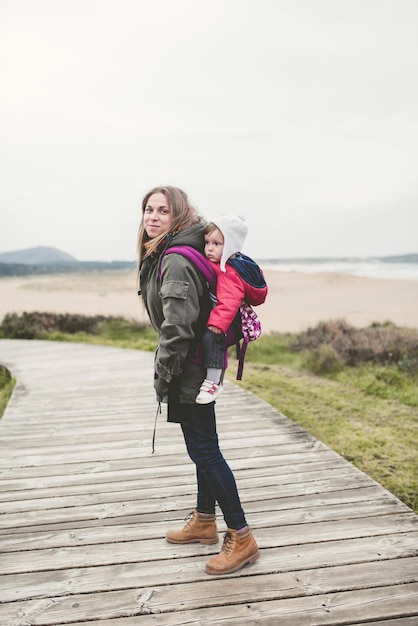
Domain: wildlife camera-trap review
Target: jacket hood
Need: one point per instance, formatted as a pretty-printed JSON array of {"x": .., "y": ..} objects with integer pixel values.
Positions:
[
  {"x": 234, "y": 231},
  {"x": 193, "y": 236}
]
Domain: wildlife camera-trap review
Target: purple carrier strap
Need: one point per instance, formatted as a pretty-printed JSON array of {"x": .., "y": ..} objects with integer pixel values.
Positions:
[
  {"x": 199, "y": 261},
  {"x": 241, "y": 356},
  {"x": 251, "y": 330}
]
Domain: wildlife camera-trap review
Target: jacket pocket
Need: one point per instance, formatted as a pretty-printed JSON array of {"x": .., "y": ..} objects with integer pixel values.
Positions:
[{"x": 174, "y": 296}]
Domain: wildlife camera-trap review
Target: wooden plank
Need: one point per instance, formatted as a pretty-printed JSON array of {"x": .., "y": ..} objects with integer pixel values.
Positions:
[
  {"x": 133, "y": 448},
  {"x": 22, "y": 490},
  {"x": 119, "y": 508},
  {"x": 124, "y": 492},
  {"x": 150, "y": 549},
  {"x": 165, "y": 564},
  {"x": 181, "y": 597},
  {"x": 253, "y": 508},
  {"x": 127, "y": 532},
  {"x": 287, "y": 454},
  {"x": 397, "y": 621},
  {"x": 331, "y": 609}
]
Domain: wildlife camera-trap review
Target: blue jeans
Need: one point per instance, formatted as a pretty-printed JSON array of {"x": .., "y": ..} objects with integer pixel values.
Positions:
[
  {"x": 215, "y": 480},
  {"x": 213, "y": 348}
]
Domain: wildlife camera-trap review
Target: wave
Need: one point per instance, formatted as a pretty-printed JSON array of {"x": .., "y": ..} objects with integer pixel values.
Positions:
[{"x": 368, "y": 268}]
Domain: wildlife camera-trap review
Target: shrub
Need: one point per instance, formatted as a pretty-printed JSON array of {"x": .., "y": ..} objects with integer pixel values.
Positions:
[
  {"x": 378, "y": 343},
  {"x": 324, "y": 360},
  {"x": 38, "y": 325},
  {"x": 409, "y": 364}
]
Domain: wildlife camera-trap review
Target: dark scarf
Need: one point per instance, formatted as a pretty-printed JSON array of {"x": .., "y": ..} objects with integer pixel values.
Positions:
[
  {"x": 151, "y": 258},
  {"x": 164, "y": 243}
]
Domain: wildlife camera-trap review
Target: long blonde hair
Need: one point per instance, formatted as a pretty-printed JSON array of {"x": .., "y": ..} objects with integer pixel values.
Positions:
[{"x": 183, "y": 214}]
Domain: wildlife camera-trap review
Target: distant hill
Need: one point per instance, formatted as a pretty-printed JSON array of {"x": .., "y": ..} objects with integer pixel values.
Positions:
[
  {"x": 41, "y": 255},
  {"x": 45, "y": 260}
]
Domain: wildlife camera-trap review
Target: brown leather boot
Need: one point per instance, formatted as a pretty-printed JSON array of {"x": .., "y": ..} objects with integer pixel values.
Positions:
[
  {"x": 200, "y": 527},
  {"x": 238, "y": 549}
]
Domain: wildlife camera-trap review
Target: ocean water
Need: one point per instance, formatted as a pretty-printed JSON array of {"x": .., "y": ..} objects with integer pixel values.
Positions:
[{"x": 370, "y": 268}]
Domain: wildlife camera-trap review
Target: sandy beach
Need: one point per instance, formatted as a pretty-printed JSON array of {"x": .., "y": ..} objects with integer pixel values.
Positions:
[{"x": 296, "y": 301}]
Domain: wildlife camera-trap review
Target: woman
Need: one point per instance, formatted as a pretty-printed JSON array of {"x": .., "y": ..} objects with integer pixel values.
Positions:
[{"x": 176, "y": 299}]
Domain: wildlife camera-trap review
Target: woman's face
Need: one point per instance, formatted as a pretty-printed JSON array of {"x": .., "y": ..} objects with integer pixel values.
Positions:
[{"x": 157, "y": 216}]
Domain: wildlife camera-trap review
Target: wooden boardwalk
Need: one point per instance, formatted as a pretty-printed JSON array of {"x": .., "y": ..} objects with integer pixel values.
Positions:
[{"x": 84, "y": 506}]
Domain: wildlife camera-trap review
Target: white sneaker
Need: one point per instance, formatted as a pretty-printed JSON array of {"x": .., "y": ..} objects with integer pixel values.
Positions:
[{"x": 209, "y": 391}]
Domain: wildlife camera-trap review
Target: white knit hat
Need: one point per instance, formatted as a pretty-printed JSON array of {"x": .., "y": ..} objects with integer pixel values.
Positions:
[{"x": 234, "y": 230}]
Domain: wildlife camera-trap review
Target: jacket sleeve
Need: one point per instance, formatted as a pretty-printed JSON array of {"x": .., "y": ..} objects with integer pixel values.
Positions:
[
  {"x": 230, "y": 293},
  {"x": 180, "y": 291}
]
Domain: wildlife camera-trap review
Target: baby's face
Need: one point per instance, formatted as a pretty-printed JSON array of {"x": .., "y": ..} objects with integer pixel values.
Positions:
[{"x": 214, "y": 246}]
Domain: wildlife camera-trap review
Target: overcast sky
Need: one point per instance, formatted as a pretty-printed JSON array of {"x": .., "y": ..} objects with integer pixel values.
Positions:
[{"x": 300, "y": 115}]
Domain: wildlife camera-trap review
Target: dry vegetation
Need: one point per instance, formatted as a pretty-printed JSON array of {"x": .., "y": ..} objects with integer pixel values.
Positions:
[{"x": 378, "y": 344}]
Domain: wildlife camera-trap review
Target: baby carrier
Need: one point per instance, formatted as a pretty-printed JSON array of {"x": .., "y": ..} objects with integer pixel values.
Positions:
[{"x": 246, "y": 326}]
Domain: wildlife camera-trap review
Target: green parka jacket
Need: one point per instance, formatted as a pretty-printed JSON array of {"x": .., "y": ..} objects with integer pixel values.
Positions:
[{"x": 178, "y": 306}]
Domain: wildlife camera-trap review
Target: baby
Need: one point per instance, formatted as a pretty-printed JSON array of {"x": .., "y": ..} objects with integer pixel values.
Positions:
[{"x": 239, "y": 279}]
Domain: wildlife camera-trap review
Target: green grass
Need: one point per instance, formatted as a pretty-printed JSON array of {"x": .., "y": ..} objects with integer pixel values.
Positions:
[
  {"x": 118, "y": 333},
  {"x": 389, "y": 381},
  {"x": 378, "y": 436},
  {"x": 385, "y": 382},
  {"x": 368, "y": 413},
  {"x": 7, "y": 384}
]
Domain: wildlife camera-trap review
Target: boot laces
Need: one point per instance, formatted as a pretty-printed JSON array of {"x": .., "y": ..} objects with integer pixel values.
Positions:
[
  {"x": 189, "y": 519},
  {"x": 229, "y": 543}
]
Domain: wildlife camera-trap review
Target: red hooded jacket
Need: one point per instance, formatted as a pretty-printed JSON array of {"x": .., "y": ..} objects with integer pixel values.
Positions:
[{"x": 231, "y": 291}]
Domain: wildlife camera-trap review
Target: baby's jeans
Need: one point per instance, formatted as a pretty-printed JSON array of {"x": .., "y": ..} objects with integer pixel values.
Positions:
[{"x": 213, "y": 348}]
